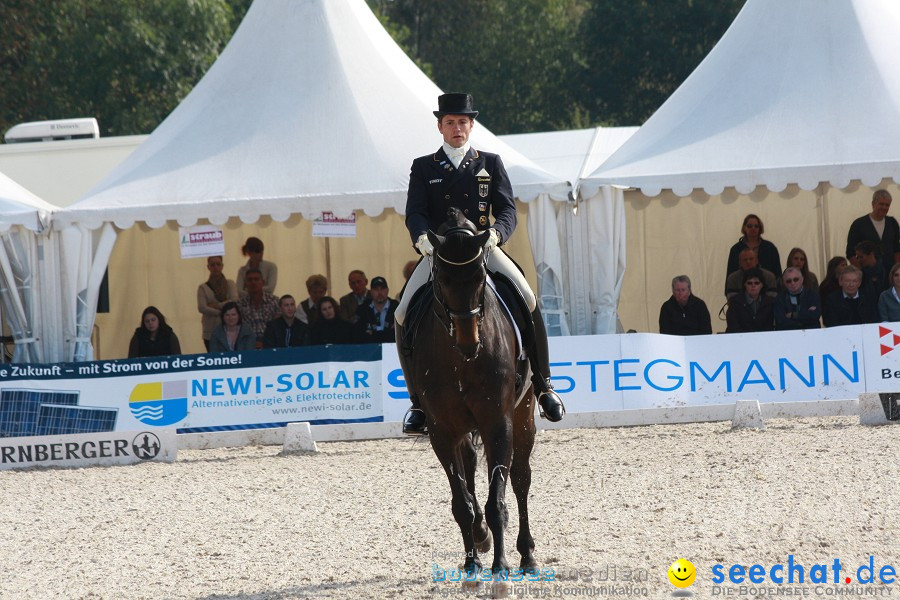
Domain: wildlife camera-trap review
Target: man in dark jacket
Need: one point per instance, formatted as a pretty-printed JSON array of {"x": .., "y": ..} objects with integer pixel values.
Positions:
[
  {"x": 852, "y": 304},
  {"x": 879, "y": 228},
  {"x": 683, "y": 313},
  {"x": 285, "y": 330},
  {"x": 797, "y": 307},
  {"x": 375, "y": 319}
]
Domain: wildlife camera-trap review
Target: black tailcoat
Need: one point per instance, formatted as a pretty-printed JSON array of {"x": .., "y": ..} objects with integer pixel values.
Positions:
[{"x": 480, "y": 188}]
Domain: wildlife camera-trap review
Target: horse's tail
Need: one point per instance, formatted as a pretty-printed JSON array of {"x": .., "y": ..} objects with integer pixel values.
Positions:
[{"x": 478, "y": 443}]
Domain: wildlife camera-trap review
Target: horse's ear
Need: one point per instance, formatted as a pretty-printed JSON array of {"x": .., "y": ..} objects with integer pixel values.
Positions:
[
  {"x": 436, "y": 240},
  {"x": 482, "y": 237}
]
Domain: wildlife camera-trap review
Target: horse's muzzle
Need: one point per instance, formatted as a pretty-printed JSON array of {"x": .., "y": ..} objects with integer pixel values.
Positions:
[{"x": 469, "y": 351}]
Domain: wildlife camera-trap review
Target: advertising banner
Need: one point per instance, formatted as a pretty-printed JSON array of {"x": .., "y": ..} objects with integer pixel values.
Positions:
[
  {"x": 365, "y": 383},
  {"x": 645, "y": 370},
  {"x": 202, "y": 240},
  {"x": 335, "y": 227},
  {"x": 193, "y": 393}
]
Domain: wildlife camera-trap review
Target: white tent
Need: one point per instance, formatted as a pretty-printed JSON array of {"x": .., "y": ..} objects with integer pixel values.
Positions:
[
  {"x": 802, "y": 92},
  {"x": 592, "y": 262},
  {"x": 798, "y": 103},
  {"x": 25, "y": 250},
  {"x": 311, "y": 107}
]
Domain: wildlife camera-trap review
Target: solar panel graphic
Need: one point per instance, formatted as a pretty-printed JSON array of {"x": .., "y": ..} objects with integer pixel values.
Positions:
[
  {"x": 59, "y": 420},
  {"x": 50, "y": 412},
  {"x": 159, "y": 403}
]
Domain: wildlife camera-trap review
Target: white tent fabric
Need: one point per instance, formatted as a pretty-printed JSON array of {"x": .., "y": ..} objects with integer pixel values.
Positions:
[
  {"x": 19, "y": 206},
  {"x": 311, "y": 107},
  {"x": 23, "y": 218},
  {"x": 802, "y": 92},
  {"x": 590, "y": 267}
]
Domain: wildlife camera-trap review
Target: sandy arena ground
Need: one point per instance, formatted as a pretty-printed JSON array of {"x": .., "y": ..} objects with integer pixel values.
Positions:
[{"x": 372, "y": 519}]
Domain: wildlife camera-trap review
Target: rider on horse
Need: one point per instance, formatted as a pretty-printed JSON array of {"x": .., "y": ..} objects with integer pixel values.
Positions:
[{"x": 476, "y": 183}]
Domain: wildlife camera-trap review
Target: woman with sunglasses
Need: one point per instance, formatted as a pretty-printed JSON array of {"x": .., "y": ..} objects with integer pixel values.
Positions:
[
  {"x": 751, "y": 310},
  {"x": 751, "y": 237},
  {"x": 797, "y": 306}
]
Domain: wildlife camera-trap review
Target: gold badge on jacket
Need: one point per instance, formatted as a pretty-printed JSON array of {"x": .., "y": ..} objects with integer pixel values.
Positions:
[{"x": 482, "y": 220}]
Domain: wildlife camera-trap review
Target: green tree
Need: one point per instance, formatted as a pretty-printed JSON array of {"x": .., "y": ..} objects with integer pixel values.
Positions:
[
  {"x": 515, "y": 56},
  {"x": 636, "y": 53},
  {"x": 128, "y": 63}
]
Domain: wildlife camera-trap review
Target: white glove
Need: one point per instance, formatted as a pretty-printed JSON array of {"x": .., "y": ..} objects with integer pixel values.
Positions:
[
  {"x": 493, "y": 240},
  {"x": 423, "y": 244}
]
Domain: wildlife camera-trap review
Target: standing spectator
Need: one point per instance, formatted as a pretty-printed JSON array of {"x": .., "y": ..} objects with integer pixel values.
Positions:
[
  {"x": 359, "y": 294},
  {"x": 797, "y": 258},
  {"x": 376, "y": 319},
  {"x": 258, "y": 307},
  {"x": 232, "y": 335},
  {"x": 766, "y": 252},
  {"x": 753, "y": 310},
  {"x": 876, "y": 227},
  {"x": 154, "y": 337},
  {"x": 212, "y": 296},
  {"x": 889, "y": 300},
  {"x": 253, "y": 249},
  {"x": 683, "y": 313},
  {"x": 316, "y": 287},
  {"x": 285, "y": 331},
  {"x": 797, "y": 306},
  {"x": 734, "y": 285},
  {"x": 832, "y": 276},
  {"x": 329, "y": 328},
  {"x": 868, "y": 260},
  {"x": 850, "y": 305}
]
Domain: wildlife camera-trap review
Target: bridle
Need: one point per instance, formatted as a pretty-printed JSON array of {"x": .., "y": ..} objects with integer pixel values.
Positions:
[{"x": 478, "y": 311}]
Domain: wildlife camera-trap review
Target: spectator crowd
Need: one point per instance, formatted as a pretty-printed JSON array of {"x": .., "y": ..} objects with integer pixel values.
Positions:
[
  {"x": 761, "y": 295},
  {"x": 247, "y": 314}
]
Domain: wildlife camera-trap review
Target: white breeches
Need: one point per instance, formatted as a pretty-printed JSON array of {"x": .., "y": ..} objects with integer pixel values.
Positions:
[{"x": 497, "y": 261}]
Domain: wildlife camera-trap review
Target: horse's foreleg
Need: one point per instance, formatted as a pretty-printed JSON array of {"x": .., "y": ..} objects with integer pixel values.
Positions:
[
  {"x": 480, "y": 530},
  {"x": 462, "y": 504},
  {"x": 521, "y": 483},
  {"x": 498, "y": 448}
]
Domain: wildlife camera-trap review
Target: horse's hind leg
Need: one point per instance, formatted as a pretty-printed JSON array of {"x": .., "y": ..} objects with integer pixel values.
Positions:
[
  {"x": 520, "y": 473},
  {"x": 480, "y": 531},
  {"x": 463, "y": 505}
]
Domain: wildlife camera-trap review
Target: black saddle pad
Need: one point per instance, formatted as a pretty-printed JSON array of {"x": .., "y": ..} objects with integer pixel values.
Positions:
[{"x": 421, "y": 303}]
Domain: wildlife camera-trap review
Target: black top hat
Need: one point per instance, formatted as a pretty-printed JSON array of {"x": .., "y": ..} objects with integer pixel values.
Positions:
[
  {"x": 378, "y": 282},
  {"x": 455, "y": 104}
]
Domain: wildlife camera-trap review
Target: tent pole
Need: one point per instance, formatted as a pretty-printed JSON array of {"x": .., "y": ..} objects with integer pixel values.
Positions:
[
  {"x": 328, "y": 263},
  {"x": 821, "y": 195}
]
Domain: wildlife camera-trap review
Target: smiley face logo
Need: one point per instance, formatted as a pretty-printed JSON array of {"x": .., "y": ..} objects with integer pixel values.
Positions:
[{"x": 682, "y": 573}]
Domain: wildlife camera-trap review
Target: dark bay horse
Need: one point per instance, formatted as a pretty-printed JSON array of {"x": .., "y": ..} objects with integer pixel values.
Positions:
[{"x": 464, "y": 367}]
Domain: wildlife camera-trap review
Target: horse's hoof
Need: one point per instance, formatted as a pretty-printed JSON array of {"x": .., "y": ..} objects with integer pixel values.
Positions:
[
  {"x": 500, "y": 587},
  {"x": 472, "y": 588},
  {"x": 529, "y": 566}
]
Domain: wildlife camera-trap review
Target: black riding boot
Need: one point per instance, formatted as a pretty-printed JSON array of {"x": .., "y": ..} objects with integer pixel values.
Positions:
[
  {"x": 551, "y": 405},
  {"x": 414, "y": 420}
]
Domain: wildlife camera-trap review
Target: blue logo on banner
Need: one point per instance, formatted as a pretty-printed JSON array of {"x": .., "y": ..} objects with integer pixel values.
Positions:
[{"x": 159, "y": 403}]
